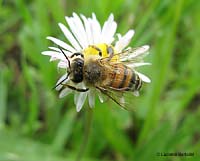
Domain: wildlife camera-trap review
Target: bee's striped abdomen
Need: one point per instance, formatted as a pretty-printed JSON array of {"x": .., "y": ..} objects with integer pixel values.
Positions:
[
  {"x": 120, "y": 77},
  {"x": 123, "y": 78},
  {"x": 135, "y": 83}
]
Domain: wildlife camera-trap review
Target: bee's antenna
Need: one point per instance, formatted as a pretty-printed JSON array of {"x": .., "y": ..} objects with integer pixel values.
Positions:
[
  {"x": 69, "y": 68},
  {"x": 65, "y": 56}
]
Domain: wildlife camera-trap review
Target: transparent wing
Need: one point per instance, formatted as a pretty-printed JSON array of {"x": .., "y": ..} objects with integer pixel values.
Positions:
[
  {"x": 130, "y": 56},
  {"x": 134, "y": 55}
]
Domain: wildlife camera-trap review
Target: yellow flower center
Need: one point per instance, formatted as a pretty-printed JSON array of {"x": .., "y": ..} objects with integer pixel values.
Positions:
[{"x": 101, "y": 50}]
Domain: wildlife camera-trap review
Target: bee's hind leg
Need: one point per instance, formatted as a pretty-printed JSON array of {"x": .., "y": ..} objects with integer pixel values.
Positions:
[{"x": 106, "y": 92}]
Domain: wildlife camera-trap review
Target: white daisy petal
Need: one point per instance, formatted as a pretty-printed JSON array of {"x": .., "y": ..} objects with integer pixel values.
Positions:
[
  {"x": 70, "y": 37},
  {"x": 96, "y": 29},
  {"x": 136, "y": 93},
  {"x": 146, "y": 47},
  {"x": 53, "y": 58},
  {"x": 80, "y": 101},
  {"x": 91, "y": 97},
  {"x": 55, "y": 55},
  {"x": 108, "y": 30},
  {"x": 54, "y": 48},
  {"x": 81, "y": 85},
  {"x": 83, "y": 35},
  {"x": 101, "y": 97},
  {"x": 122, "y": 101},
  {"x": 63, "y": 80},
  {"x": 76, "y": 95},
  {"x": 63, "y": 65},
  {"x": 143, "y": 77},
  {"x": 110, "y": 37},
  {"x": 119, "y": 36},
  {"x": 76, "y": 26},
  {"x": 62, "y": 44},
  {"x": 124, "y": 41},
  {"x": 91, "y": 30},
  {"x": 87, "y": 30},
  {"x": 67, "y": 53},
  {"x": 65, "y": 92}
]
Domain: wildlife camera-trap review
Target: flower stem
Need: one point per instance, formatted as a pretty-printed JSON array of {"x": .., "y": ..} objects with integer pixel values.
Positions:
[{"x": 88, "y": 123}]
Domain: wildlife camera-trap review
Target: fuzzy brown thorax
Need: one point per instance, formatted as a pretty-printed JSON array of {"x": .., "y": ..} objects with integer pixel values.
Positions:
[{"x": 93, "y": 72}]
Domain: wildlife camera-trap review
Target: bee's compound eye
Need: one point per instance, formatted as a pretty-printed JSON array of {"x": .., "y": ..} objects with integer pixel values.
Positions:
[{"x": 110, "y": 50}]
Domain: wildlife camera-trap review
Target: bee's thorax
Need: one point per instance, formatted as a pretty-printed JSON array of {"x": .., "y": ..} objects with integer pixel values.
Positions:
[{"x": 93, "y": 73}]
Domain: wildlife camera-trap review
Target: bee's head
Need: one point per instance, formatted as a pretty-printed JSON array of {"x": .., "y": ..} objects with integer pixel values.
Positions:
[
  {"x": 76, "y": 64},
  {"x": 76, "y": 67}
]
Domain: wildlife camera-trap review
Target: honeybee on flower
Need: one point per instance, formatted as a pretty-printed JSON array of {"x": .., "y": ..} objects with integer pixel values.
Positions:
[{"x": 94, "y": 65}]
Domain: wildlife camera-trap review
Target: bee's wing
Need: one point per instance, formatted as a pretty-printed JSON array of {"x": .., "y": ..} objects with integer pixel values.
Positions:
[
  {"x": 131, "y": 55},
  {"x": 134, "y": 55}
]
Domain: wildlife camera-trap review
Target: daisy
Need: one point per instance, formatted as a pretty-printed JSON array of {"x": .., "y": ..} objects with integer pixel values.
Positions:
[{"x": 81, "y": 33}]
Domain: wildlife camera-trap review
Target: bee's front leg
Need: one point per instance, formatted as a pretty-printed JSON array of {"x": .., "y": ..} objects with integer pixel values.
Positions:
[{"x": 76, "y": 89}]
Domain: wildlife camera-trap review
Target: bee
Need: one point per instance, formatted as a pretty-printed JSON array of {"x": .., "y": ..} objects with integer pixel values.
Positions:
[{"x": 99, "y": 67}]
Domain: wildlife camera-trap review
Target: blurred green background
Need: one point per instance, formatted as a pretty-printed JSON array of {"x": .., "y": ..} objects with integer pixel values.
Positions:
[{"x": 35, "y": 125}]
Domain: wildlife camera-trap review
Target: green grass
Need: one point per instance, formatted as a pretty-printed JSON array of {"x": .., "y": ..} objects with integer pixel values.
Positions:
[{"x": 36, "y": 125}]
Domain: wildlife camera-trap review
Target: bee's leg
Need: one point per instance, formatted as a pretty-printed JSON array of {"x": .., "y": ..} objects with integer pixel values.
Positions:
[
  {"x": 119, "y": 89},
  {"x": 105, "y": 91},
  {"x": 76, "y": 89},
  {"x": 61, "y": 81}
]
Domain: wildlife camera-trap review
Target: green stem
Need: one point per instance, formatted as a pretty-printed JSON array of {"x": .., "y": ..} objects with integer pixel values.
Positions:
[{"x": 88, "y": 123}]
